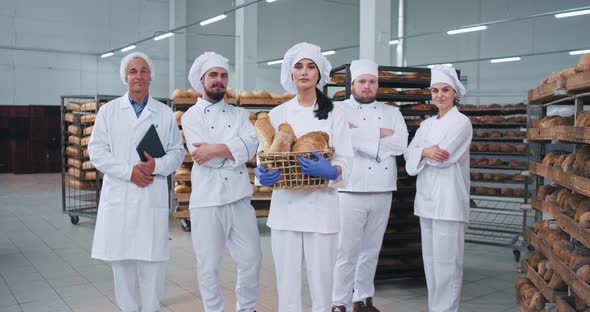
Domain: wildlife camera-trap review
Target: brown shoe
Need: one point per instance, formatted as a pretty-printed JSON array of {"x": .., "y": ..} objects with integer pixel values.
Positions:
[
  {"x": 369, "y": 307},
  {"x": 339, "y": 308},
  {"x": 358, "y": 306}
]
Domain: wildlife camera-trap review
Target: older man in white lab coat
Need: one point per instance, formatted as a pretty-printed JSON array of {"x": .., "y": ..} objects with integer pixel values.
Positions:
[
  {"x": 379, "y": 134},
  {"x": 132, "y": 223},
  {"x": 221, "y": 140}
]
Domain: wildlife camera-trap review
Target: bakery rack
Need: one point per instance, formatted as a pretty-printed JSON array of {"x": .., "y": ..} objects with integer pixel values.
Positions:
[
  {"x": 401, "y": 252},
  {"x": 576, "y": 93},
  {"x": 81, "y": 182}
]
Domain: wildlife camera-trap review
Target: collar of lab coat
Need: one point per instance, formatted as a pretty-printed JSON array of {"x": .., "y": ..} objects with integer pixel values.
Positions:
[
  {"x": 151, "y": 107},
  {"x": 357, "y": 105},
  {"x": 451, "y": 112},
  {"x": 205, "y": 106}
]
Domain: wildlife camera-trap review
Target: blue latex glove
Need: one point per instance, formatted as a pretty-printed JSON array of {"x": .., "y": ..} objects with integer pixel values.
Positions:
[
  {"x": 320, "y": 168},
  {"x": 267, "y": 178}
]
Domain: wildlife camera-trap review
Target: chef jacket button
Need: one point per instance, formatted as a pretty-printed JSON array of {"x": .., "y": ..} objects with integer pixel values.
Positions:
[
  {"x": 364, "y": 118},
  {"x": 369, "y": 168},
  {"x": 207, "y": 111},
  {"x": 375, "y": 107},
  {"x": 379, "y": 118},
  {"x": 229, "y": 126},
  {"x": 226, "y": 178},
  {"x": 212, "y": 127},
  {"x": 385, "y": 168},
  {"x": 223, "y": 110},
  {"x": 240, "y": 172}
]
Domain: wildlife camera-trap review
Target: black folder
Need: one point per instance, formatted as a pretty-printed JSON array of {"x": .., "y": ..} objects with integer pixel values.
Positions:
[{"x": 151, "y": 144}]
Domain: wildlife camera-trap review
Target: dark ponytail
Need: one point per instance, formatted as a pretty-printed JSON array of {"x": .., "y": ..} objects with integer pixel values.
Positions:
[{"x": 325, "y": 105}]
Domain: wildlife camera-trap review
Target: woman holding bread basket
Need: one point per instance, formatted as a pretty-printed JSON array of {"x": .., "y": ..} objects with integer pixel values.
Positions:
[
  {"x": 439, "y": 155},
  {"x": 304, "y": 222}
]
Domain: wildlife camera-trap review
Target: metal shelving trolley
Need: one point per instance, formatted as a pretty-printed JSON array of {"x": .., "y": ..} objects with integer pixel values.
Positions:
[{"x": 81, "y": 182}]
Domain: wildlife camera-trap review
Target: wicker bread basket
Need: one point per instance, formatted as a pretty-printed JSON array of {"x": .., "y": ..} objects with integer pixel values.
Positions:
[{"x": 290, "y": 169}]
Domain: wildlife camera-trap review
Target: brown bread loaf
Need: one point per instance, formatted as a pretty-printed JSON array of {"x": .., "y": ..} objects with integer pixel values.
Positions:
[
  {"x": 584, "y": 273},
  {"x": 312, "y": 141},
  {"x": 283, "y": 140},
  {"x": 520, "y": 282},
  {"x": 583, "y": 63},
  {"x": 545, "y": 190},
  {"x": 264, "y": 132},
  {"x": 507, "y": 148},
  {"x": 583, "y": 119},
  {"x": 582, "y": 155}
]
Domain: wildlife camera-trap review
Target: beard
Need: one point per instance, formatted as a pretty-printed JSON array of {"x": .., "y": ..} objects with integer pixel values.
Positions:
[
  {"x": 215, "y": 95},
  {"x": 365, "y": 100}
]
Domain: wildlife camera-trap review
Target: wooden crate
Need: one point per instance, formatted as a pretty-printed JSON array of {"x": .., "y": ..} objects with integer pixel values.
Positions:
[
  {"x": 265, "y": 101},
  {"x": 541, "y": 134},
  {"x": 540, "y": 283},
  {"x": 546, "y": 92},
  {"x": 573, "y": 134},
  {"x": 573, "y": 228},
  {"x": 580, "y": 287},
  {"x": 538, "y": 169},
  {"x": 578, "y": 82}
]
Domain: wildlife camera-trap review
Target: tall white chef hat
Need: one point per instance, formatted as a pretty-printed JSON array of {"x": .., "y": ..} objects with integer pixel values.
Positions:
[
  {"x": 295, "y": 54},
  {"x": 448, "y": 75},
  {"x": 125, "y": 61},
  {"x": 202, "y": 64},
  {"x": 363, "y": 67}
]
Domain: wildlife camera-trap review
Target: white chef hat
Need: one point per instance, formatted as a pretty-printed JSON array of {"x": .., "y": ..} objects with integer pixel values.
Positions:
[
  {"x": 363, "y": 67},
  {"x": 448, "y": 75},
  {"x": 202, "y": 64},
  {"x": 295, "y": 54},
  {"x": 125, "y": 61}
]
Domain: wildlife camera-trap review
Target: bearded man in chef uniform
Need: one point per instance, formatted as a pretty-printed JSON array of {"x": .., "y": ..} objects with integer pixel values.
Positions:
[
  {"x": 221, "y": 139},
  {"x": 379, "y": 134},
  {"x": 132, "y": 222}
]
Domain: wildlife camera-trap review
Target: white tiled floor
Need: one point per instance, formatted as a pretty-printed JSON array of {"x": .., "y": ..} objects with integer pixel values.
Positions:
[{"x": 45, "y": 264}]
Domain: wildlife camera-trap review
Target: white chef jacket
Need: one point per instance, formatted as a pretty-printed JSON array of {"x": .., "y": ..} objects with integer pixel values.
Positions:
[
  {"x": 442, "y": 189},
  {"x": 375, "y": 169},
  {"x": 315, "y": 209},
  {"x": 219, "y": 181},
  {"x": 132, "y": 222}
]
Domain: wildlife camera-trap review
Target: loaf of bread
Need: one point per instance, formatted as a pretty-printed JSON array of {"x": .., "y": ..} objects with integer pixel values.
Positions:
[
  {"x": 500, "y": 176},
  {"x": 229, "y": 93},
  {"x": 487, "y": 176},
  {"x": 75, "y": 172},
  {"x": 583, "y": 119},
  {"x": 581, "y": 156},
  {"x": 90, "y": 175},
  {"x": 506, "y": 191},
  {"x": 584, "y": 273},
  {"x": 516, "y": 119},
  {"x": 265, "y": 189},
  {"x": 192, "y": 93},
  {"x": 261, "y": 94},
  {"x": 518, "y": 178},
  {"x": 473, "y": 147},
  {"x": 88, "y": 118},
  {"x": 554, "y": 121},
  {"x": 312, "y": 141},
  {"x": 507, "y": 148},
  {"x": 475, "y": 175},
  {"x": 584, "y": 220},
  {"x": 551, "y": 157},
  {"x": 387, "y": 90},
  {"x": 73, "y": 151},
  {"x": 183, "y": 171},
  {"x": 70, "y": 117},
  {"x": 341, "y": 93},
  {"x": 340, "y": 78},
  {"x": 73, "y": 162},
  {"x": 495, "y": 162},
  {"x": 177, "y": 93},
  {"x": 74, "y": 139},
  {"x": 520, "y": 281},
  {"x": 84, "y": 141},
  {"x": 87, "y": 165},
  {"x": 246, "y": 95},
  {"x": 480, "y": 134},
  {"x": 88, "y": 130},
  {"x": 583, "y": 63},
  {"x": 283, "y": 140},
  {"x": 75, "y": 130},
  {"x": 521, "y": 148},
  {"x": 546, "y": 190},
  {"x": 417, "y": 91},
  {"x": 494, "y": 148},
  {"x": 264, "y": 131},
  {"x": 77, "y": 184},
  {"x": 581, "y": 207},
  {"x": 578, "y": 261},
  {"x": 182, "y": 188}
]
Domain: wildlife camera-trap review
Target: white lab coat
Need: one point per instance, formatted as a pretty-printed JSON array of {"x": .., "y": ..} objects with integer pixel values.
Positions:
[
  {"x": 374, "y": 169},
  {"x": 219, "y": 181},
  {"x": 442, "y": 189},
  {"x": 132, "y": 222},
  {"x": 316, "y": 209}
]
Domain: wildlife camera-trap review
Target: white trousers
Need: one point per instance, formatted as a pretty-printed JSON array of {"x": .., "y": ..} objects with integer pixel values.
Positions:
[
  {"x": 443, "y": 245},
  {"x": 363, "y": 219},
  {"x": 289, "y": 250},
  {"x": 212, "y": 229},
  {"x": 152, "y": 278}
]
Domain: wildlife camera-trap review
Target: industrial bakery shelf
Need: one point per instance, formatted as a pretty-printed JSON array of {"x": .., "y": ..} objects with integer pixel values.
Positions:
[
  {"x": 494, "y": 111},
  {"x": 539, "y": 283},
  {"x": 500, "y": 139},
  {"x": 499, "y": 153},
  {"x": 483, "y": 125},
  {"x": 555, "y": 174},
  {"x": 508, "y": 181},
  {"x": 498, "y": 167},
  {"x": 546, "y": 207}
]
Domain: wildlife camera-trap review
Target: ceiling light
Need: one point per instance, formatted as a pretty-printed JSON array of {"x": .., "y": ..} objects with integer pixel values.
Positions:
[
  {"x": 579, "y": 52},
  {"x": 270, "y": 1},
  {"x": 574, "y": 13},
  {"x": 468, "y": 29},
  {"x": 328, "y": 52},
  {"x": 506, "y": 59},
  {"x": 446, "y": 64},
  {"x": 392, "y": 42},
  {"x": 164, "y": 36},
  {"x": 111, "y": 54},
  {"x": 125, "y": 49},
  {"x": 213, "y": 20},
  {"x": 274, "y": 62}
]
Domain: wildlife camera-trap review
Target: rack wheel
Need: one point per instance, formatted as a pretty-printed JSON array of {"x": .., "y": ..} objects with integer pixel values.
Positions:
[
  {"x": 516, "y": 254},
  {"x": 185, "y": 224},
  {"x": 74, "y": 219}
]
